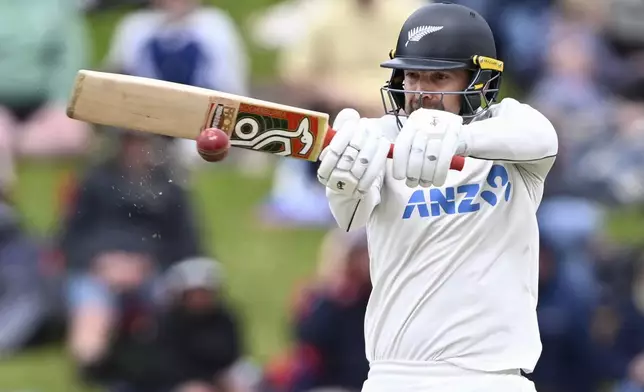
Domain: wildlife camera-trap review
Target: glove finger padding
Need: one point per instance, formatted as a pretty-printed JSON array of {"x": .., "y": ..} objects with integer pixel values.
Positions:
[
  {"x": 341, "y": 179},
  {"x": 446, "y": 150},
  {"x": 356, "y": 156},
  {"x": 376, "y": 165},
  {"x": 345, "y": 115},
  {"x": 350, "y": 155},
  {"x": 402, "y": 150},
  {"x": 368, "y": 144},
  {"x": 430, "y": 160},
  {"x": 373, "y": 157},
  {"x": 425, "y": 147},
  {"x": 416, "y": 158},
  {"x": 332, "y": 154}
]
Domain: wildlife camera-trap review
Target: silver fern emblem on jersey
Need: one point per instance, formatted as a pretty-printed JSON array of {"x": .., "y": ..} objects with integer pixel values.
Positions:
[{"x": 415, "y": 34}]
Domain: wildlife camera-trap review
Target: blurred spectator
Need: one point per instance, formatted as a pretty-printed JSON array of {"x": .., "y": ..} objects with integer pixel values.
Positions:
[
  {"x": 621, "y": 153},
  {"x": 282, "y": 24},
  {"x": 618, "y": 325},
  {"x": 518, "y": 28},
  {"x": 566, "y": 363},
  {"x": 329, "y": 349},
  {"x": 24, "y": 307},
  {"x": 126, "y": 224},
  {"x": 570, "y": 81},
  {"x": 201, "y": 332},
  {"x": 625, "y": 33},
  {"x": 570, "y": 95},
  {"x": 132, "y": 188},
  {"x": 185, "y": 42},
  {"x": 521, "y": 26},
  {"x": 570, "y": 226},
  {"x": 43, "y": 46},
  {"x": 594, "y": 168},
  {"x": 109, "y": 303},
  {"x": 335, "y": 64},
  {"x": 193, "y": 344}
]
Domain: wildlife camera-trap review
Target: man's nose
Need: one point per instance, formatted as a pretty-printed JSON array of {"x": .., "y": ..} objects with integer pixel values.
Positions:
[
  {"x": 430, "y": 97},
  {"x": 427, "y": 85}
]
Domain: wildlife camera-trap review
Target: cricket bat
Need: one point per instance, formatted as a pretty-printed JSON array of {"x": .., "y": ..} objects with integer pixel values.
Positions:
[{"x": 182, "y": 111}]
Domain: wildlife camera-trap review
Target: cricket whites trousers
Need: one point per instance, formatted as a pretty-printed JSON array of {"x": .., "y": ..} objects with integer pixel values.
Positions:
[{"x": 441, "y": 377}]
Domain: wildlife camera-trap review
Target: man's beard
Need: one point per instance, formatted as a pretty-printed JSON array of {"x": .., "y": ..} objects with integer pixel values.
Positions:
[{"x": 416, "y": 104}]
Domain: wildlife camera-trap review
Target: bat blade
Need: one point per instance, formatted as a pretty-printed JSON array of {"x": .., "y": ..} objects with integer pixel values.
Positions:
[{"x": 182, "y": 111}]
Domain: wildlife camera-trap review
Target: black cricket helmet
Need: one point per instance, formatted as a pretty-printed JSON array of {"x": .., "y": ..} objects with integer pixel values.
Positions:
[{"x": 445, "y": 36}]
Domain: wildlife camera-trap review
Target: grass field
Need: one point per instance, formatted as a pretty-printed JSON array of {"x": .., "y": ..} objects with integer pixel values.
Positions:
[{"x": 262, "y": 265}]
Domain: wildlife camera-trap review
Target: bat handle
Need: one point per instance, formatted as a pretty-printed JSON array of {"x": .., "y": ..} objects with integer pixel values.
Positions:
[{"x": 457, "y": 161}]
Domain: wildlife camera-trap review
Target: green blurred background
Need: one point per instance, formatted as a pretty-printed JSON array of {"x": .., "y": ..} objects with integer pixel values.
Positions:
[{"x": 262, "y": 265}]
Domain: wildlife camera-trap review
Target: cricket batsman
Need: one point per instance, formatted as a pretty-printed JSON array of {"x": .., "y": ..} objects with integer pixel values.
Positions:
[{"x": 454, "y": 255}]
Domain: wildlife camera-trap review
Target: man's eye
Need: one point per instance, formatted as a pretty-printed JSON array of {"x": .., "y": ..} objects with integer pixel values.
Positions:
[{"x": 441, "y": 76}]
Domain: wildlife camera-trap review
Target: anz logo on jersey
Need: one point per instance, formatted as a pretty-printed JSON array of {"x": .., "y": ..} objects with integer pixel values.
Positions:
[{"x": 434, "y": 202}]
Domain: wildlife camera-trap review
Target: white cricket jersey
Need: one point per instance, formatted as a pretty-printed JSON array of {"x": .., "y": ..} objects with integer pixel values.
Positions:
[{"x": 455, "y": 269}]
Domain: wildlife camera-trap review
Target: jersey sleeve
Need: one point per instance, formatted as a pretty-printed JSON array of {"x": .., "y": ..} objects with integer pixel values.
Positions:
[{"x": 515, "y": 133}]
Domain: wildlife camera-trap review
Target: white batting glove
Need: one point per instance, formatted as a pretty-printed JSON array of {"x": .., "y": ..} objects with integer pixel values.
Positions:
[
  {"x": 425, "y": 146},
  {"x": 356, "y": 155}
]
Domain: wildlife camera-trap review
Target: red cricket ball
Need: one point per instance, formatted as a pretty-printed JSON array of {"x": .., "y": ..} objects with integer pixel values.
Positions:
[{"x": 213, "y": 144}]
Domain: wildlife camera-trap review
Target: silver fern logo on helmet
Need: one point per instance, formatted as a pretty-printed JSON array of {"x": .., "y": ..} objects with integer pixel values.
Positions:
[{"x": 415, "y": 34}]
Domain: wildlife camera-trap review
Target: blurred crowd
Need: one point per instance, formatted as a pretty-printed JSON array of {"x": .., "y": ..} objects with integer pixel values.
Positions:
[{"x": 127, "y": 283}]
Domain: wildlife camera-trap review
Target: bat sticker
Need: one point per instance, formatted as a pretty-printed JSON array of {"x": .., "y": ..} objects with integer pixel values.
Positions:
[
  {"x": 275, "y": 131},
  {"x": 221, "y": 117}
]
